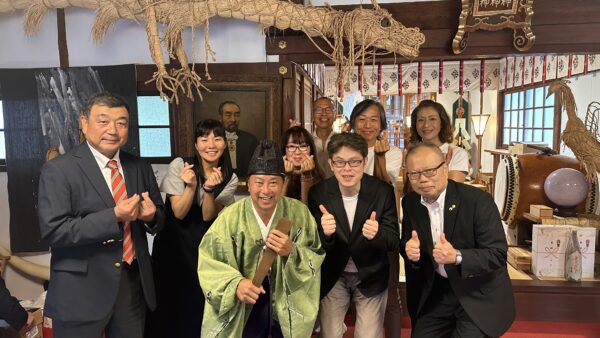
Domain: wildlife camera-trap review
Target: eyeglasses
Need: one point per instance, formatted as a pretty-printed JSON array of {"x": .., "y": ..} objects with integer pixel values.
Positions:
[
  {"x": 323, "y": 111},
  {"x": 427, "y": 172},
  {"x": 342, "y": 163},
  {"x": 295, "y": 147}
]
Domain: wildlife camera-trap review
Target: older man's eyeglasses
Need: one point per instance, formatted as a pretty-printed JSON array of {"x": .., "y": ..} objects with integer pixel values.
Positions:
[
  {"x": 295, "y": 147},
  {"x": 342, "y": 163},
  {"x": 427, "y": 172}
]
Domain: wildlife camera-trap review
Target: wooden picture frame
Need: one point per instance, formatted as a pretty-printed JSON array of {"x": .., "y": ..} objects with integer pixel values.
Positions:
[
  {"x": 493, "y": 15},
  {"x": 258, "y": 103}
]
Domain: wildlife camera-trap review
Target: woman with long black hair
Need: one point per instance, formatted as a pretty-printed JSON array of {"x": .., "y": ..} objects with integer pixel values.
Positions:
[
  {"x": 302, "y": 170},
  {"x": 197, "y": 189}
]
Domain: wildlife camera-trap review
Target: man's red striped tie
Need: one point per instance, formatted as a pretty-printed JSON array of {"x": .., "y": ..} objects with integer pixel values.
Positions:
[{"x": 120, "y": 193}]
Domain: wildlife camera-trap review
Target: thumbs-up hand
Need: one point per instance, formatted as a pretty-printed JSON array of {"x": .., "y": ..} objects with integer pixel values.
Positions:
[
  {"x": 370, "y": 227},
  {"x": 443, "y": 251},
  {"x": 327, "y": 221},
  {"x": 413, "y": 247}
]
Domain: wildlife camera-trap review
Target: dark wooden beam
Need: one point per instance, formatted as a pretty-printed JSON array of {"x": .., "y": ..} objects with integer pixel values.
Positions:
[
  {"x": 218, "y": 72},
  {"x": 63, "y": 50},
  {"x": 558, "y": 29}
]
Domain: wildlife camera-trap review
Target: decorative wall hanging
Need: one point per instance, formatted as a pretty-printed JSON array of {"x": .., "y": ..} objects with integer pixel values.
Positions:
[
  {"x": 460, "y": 117},
  {"x": 517, "y": 71},
  {"x": 493, "y": 15},
  {"x": 442, "y": 76},
  {"x": 366, "y": 31}
]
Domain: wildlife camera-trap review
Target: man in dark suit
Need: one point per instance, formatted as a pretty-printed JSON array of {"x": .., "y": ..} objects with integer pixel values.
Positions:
[
  {"x": 455, "y": 250},
  {"x": 101, "y": 277},
  {"x": 358, "y": 225},
  {"x": 241, "y": 144}
]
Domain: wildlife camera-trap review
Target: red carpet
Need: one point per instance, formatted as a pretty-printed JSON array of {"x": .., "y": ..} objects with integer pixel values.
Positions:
[{"x": 525, "y": 329}]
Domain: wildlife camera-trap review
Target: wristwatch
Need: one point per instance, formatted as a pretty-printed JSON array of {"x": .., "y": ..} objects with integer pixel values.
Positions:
[{"x": 458, "y": 258}]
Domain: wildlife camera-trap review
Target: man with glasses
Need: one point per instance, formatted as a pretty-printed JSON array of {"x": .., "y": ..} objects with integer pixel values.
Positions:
[
  {"x": 358, "y": 225},
  {"x": 240, "y": 143},
  {"x": 323, "y": 117},
  {"x": 455, "y": 251}
]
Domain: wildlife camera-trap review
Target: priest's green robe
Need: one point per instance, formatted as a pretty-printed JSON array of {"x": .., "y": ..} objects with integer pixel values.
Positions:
[{"x": 231, "y": 250}]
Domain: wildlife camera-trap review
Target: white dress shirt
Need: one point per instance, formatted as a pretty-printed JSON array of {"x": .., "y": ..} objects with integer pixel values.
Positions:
[
  {"x": 436, "y": 219},
  {"x": 103, "y": 165}
]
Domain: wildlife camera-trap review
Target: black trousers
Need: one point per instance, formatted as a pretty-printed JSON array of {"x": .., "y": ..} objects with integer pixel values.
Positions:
[
  {"x": 261, "y": 324},
  {"x": 126, "y": 320},
  {"x": 392, "y": 322},
  {"x": 443, "y": 316}
]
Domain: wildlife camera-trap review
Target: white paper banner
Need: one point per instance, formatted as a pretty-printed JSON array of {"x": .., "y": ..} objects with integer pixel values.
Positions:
[
  {"x": 551, "y": 63},
  {"x": 538, "y": 69},
  {"x": 593, "y": 62},
  {"x": 510, "y": 71},
  {"x": 503, "y": 75},
  {"x": 562, "y": 67},
  {"x": 471, "y": 75},
  {"x": 518, "y": 75},
  {"x": 389, "y": 80},
  {"x": 451, "y": 76},
  {"x": 492, "y": 74},
  {"x": 577, "y": 64},
  {"x": 528, "y": 60},
  {"x": 430, "y": 77}
]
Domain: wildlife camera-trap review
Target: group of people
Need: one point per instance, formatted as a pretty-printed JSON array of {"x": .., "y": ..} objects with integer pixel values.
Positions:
[{"x": 339, "y": 193}]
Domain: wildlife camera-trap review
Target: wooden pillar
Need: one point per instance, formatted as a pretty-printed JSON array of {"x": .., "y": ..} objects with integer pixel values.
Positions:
[{"x": 183, "y": 124}]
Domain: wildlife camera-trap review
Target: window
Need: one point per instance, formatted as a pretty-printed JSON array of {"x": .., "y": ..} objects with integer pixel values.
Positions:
[
  {"x": 154, "y": 127},
  {"x": 394, "y": 116},
  {"x": 528, "y": 116},
  {"x": 2, "y": 143}
]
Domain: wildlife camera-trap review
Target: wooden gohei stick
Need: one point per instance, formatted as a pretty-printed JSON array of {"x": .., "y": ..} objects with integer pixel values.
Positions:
[{"x": 284, "y": 225}]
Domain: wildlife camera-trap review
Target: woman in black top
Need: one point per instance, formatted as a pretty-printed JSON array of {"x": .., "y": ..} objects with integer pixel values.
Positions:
[{"x": 197, "y": 189}]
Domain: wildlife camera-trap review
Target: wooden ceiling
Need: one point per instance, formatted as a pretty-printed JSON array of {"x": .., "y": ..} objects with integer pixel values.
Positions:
[{"x": 560, "y": 26}]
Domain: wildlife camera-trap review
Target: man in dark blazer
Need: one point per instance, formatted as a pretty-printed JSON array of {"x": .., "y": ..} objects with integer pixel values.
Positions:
[
  {"x": 240, "y": 143},
  {"x": 358, "y": 225},
  {"x": 99, "y": 282},
  {"x": 454, "y": 246}
]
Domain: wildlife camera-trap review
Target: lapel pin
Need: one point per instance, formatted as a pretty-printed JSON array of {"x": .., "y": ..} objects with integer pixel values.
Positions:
[{"x": 452, "y": 207}]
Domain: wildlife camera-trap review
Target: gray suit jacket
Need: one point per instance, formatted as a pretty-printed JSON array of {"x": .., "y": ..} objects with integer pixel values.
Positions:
[{"x": 75, "y": 210}]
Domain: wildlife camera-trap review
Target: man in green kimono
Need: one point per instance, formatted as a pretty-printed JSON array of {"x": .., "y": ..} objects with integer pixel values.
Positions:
[{"x": 286, "y": 304}]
